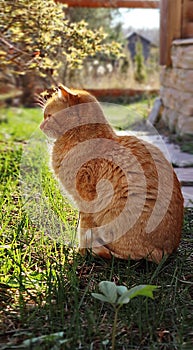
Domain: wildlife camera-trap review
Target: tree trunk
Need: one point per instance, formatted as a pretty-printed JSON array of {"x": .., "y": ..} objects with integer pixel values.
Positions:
[{"x": 28, "y": 84}]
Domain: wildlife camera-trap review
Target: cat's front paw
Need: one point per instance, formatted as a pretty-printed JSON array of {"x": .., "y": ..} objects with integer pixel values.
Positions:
[
  {"x": 101, "y": 251},
  {"x": 82, "y": 251}
]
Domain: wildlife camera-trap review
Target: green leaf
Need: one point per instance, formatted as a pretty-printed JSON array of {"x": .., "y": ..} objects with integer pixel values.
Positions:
[
  {"x": 109, "y": 289},
  {"x": 48, "y": 338},
  {"x": 123, "y": 300},
  {"x": 121, "y": 290},
  {"x": 144, "y": 290},
  {"x": 100, "y": 297}
]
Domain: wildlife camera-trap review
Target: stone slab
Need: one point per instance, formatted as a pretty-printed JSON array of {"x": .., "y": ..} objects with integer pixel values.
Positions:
[
  {"x": 185, "y": 175},
  {"x": 180, "y": 101},
  {"x": 177, "y": 122},
  {"x": 184, "y": 125},
  {"x": 177, "y": 157},
  {"x": 170, "y": 118},
  {"x": 179, "y": 79},
  {"x": 183, "y": 42},
  {"x": 182, "y": 56},
  {"x": 155, "y": 112}
]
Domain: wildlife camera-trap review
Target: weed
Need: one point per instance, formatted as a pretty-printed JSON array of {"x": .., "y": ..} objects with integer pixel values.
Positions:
[{"x": 117, "y": 296}]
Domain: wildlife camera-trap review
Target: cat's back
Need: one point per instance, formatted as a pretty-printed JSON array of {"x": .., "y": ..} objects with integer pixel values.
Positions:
[
  {"x": 149, "y": 157},
  {"x": 162, "y": 184}
]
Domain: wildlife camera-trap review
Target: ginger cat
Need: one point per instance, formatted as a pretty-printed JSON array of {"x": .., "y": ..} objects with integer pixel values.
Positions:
[{"x": 128, "y": 195}]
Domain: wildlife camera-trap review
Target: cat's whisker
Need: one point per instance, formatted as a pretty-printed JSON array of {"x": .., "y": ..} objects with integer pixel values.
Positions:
[
  {"x": 37, "y": 96},
  {"x": 39, "y": 104},
  {"x": 39, "y": 100}
]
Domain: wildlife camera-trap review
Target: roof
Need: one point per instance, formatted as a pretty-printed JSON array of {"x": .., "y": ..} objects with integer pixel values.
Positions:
[{"x": 129, "y": 35}]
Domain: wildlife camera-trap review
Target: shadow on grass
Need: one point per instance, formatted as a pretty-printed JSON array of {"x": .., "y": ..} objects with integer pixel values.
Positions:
[{"x": 49, "y": 293}]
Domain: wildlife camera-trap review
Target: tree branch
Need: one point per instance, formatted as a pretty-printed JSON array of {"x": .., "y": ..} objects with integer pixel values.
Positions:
[{"x": 11, "y": 46}]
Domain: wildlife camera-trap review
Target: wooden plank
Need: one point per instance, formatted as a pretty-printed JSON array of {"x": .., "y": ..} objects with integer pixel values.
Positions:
[
  {"x": 170, "y": 27},
  {"x": 188, "y": 30},
  {"x": 187, "y": 19},
  {"x": 188, "y": 10},
  {"x": 106, "y": 94},
  {"x": 112, "y": 3}
]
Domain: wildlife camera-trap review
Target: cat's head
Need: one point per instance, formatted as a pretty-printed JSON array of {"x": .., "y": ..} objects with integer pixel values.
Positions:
[
  {"x": 58, "y": 100},
  {"x": 64, "y": 97}
]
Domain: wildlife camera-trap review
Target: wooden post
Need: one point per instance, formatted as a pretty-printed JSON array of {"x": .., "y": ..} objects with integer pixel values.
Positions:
[
  {"x": 170, "y": 27},
  {"x": 187, "y": 21},
  {"x": 112, "y": 3}
]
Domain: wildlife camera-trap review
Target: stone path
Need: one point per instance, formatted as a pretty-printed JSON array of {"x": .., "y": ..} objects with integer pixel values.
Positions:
[
  {"x": 185, "y": 175},
  {"x": 183, "y": 166},
  {"x": 178, "y": 158}
]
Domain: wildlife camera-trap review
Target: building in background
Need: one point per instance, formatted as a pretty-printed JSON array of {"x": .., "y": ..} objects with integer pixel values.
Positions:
[{"x": 133, "y": 38}]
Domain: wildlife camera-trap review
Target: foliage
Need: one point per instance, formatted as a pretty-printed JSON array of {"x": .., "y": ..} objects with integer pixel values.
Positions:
[
  {"x": 140, "y": 73},
  {"x": 99, "y": 18},
  {"x": 36, "y": 36},
  {"x": 117, "y": 296}
]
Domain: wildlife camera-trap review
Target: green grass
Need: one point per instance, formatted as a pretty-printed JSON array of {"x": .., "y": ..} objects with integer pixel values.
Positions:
[
  {"x": 185, "y": 143},
  {"x": 127, "y": 116},
  {"x": 46, "y": 285}
]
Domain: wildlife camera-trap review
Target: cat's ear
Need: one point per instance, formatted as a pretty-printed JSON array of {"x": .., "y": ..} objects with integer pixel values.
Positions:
[{"x": 65, "y": 92}]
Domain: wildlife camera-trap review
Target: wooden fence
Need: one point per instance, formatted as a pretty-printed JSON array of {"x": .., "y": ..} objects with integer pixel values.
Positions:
[
  {"x": 112, "y": 3},
  {"x": 122, "y": 95},
  {"x": 187, "y": 19},
  {"x": 176, "y": 23}
]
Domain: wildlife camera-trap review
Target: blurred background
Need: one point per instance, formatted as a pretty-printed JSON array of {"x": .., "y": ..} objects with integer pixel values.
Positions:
[{"x": 43, "y": 43}]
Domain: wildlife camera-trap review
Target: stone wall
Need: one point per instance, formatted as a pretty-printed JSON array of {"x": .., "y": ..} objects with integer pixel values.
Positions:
[{"x": 177, "y": 88}]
